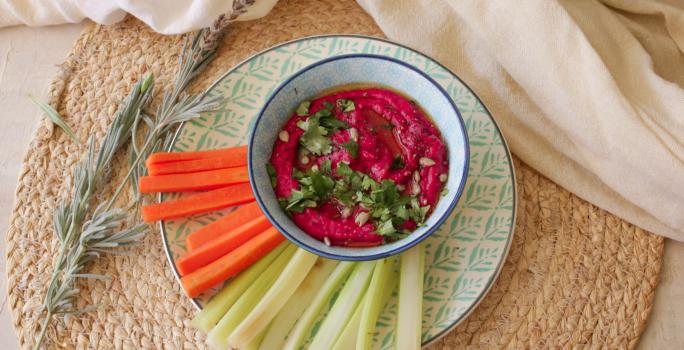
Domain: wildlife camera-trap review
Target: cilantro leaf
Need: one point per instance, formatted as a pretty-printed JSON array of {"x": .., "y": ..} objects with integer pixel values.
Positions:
[
  {"x": 385, "y": 228},
  {"x": 303, "y": 108},
  {"x": 397, "y": 163},
  {"x": 333, "y": 124},
  {"x": 345, "y": 105},
  {"x": 343, "y": 170},
  {"x": 326, "y": 167},
  {"x": 321, "y": 184},
  {"x": 314, "y": 137},
  {"x": 271, "y": 174},
  {"x": 352, "y": 147}
]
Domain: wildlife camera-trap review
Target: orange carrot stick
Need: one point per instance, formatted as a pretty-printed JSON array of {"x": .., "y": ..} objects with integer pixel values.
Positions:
[
  {"x": 232, "y": 263},
  {"x": 199, "y": 203},
  {"x": 195, "y": 165},
  {"x": 221, "y": 245},
  {"x": 239, "y": 153},
  {"x": 229, "y": 222},
  {"x": 205, "y": 180}
]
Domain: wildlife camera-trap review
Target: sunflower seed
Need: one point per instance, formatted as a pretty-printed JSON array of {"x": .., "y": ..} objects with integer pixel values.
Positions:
[
  {"x": 354, "y": 134},
  {"x": 416, "y": 176},
  {"x": 346, "y": 212},
  {"x": 304, "y": 159},
  {"x": 326, "y": 240},
  {"x": 401, "y": 187},
  {"x": 425, "y": 161},
  {"x": 361, "y": 218},
  {"x": 284, "y": 136},
  {"x": 415, "y": 188},
  {"x": 443, "y": 177}
]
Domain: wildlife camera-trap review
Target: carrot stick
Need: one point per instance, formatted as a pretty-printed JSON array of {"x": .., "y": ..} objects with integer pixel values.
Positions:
[
  {"x": 199, "y": 203},
  {"x": 205, "y": 180},
  {"x": 239, "y": 153},
  {"x": 232, "y": 263},
  {"x": 195, "y": 165},
  {"x": 221, "y": 245},
  {"x": 229, "y": 222}
]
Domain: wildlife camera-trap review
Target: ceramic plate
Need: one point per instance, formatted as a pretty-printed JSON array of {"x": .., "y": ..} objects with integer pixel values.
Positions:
[{"x": 463, "y": 257}]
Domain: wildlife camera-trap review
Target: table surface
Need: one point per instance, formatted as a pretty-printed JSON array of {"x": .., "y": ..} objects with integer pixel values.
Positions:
[{"x": 28, "y": 61}]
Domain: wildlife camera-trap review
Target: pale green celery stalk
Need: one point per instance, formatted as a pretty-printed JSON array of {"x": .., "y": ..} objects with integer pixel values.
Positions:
[
  {"x": 374, "y": 302},
  {"x": 254, "y": 344},
  {"x": 303, "y": 325},
  {"x": 410, "y": 311},
  {"x": 347, "y": 339},
  {"x": 344, "y": 306},
  {"x": 206, "y": 319},
  {"x": 218, "y": 337},
  {"x": 287, "y": 317},
  {"x": 273, "y": 301}
]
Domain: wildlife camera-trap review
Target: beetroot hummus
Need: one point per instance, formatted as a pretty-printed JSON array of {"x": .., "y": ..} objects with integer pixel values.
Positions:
[{"x": 358, "y": 167}]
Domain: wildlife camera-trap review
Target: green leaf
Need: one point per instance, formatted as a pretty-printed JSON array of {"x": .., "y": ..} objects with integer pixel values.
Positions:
[
  {"x": 314, "y": 137},
  {"x": 333, "y": 124},
  {"x": 352, "y": 147},
  {"x": 321, "y": 184},
  {"x": 326, "y": 167},
  {"x": 55, "y": 118},
  {"x": 397, "y": 163},
  {"x": 303, "y": 108},
  {"x": 345, "y": 105},
  {"x": 272, "y": 174}
]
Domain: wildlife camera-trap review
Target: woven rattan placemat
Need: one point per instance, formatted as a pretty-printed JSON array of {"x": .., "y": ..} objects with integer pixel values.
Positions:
[{"x": 576, "y": 275}]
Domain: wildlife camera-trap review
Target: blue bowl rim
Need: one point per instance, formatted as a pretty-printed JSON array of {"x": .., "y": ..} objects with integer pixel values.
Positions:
[{"x": 430, "y": 230}]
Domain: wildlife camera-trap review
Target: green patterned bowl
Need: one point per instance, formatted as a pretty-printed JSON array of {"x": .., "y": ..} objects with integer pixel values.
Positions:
[
  {"x": 463, "y": 257},
  {"x": 375, "y": 70}
]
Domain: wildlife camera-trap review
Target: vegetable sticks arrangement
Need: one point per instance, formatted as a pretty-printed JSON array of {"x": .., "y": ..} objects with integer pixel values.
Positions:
[{"x": 277, "y": 291}]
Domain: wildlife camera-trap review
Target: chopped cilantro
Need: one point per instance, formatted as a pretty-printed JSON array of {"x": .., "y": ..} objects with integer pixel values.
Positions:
[
  {"x": 333, "y": 124},
  {"x": 343, "y": 170},
  {"x": 397, "y": 163},
  {"x": 388, "y": 207},
  {"x": 352, "y": 147},
  {"x": 326, "y": 167},
  {"x": 303, "y": 108},
  {"x": 385, "y": 228},
  {"x": 271, "y": 173},
  {"x": 318, "y": 128},
  {"x": 321, "y": 184},
  {"x": 314, "y": 137},
  {"x": 345, "y": 105}
]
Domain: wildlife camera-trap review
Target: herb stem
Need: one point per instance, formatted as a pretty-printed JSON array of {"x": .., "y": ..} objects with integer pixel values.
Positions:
[
  {"x": 131, "y": 169},
  {"x": 43, "y": 326}
]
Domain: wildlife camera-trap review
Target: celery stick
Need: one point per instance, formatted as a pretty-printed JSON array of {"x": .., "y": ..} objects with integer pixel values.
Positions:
[
  {"x": 218, "y": 337},
  {"x": 347, "y": 339},
  {"x": 303, "y": 325},
  {"x": 254, "y": 344},
  {"x": 274, "y": 299},
  {"x": 282, "y": 324},
  {"x": 373, "y": 302},
  {"x": 344, "y": 306},
  {"x": 206, "y": 319},
  {"x": 410, "y": 310}
]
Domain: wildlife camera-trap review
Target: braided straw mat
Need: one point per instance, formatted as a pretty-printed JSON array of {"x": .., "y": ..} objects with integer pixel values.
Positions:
[{"x": 576, "y": 275}]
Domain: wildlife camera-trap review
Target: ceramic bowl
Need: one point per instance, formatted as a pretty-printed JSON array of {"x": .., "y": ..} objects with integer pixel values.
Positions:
[{"x": 350, "y": 69}]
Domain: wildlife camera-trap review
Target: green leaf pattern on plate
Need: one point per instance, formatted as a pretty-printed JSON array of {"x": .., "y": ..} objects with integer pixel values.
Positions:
[{"x": 463, "y": 256}]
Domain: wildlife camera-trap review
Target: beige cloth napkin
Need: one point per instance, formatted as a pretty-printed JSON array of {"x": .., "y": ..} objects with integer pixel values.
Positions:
[{"x": 590, "y": 93}]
